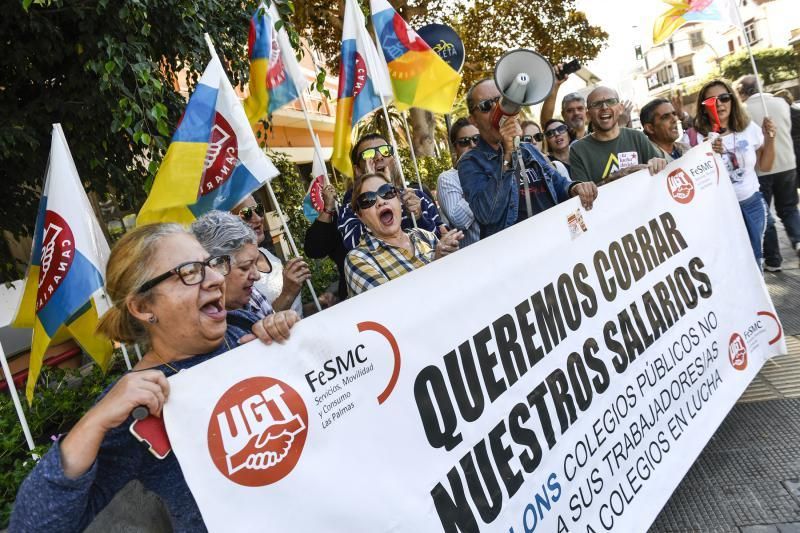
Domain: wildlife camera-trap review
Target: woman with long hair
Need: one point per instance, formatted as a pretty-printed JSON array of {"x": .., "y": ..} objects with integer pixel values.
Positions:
[{"x": 743, "y": 147}]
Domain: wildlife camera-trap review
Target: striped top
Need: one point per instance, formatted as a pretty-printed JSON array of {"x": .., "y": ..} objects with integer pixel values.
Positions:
[{"x": 375, "y": 262}]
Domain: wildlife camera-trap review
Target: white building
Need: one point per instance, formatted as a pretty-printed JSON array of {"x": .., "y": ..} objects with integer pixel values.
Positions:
[{"x": 693, "y": 51}]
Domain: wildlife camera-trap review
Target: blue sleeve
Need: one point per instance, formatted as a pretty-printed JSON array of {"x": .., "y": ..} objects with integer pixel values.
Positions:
[
  {"x": 485, "y": 194},
  {"x": 50, "y": 501},
  {"x": 430, "y": 214},
  {"x": 350, "y": 227}
]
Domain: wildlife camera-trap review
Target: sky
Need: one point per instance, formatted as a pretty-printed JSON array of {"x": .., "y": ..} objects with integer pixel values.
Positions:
[{"x": 625, "y": 21}]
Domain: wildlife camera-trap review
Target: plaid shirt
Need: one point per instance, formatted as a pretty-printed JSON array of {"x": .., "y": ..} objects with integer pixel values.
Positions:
[{"x": 375, "y": 262}]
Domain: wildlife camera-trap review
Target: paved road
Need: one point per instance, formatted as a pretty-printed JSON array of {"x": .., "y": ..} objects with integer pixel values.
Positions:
[{"x": 747, "y": 480}]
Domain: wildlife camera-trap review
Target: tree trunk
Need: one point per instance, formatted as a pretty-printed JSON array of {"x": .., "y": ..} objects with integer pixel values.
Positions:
[{"x": 423, "y": 124}]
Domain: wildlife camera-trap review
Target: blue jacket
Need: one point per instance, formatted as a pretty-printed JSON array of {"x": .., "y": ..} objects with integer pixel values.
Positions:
[{"x": 492, "y": 194}]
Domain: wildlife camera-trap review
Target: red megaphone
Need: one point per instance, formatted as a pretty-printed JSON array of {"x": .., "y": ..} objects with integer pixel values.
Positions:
[{"x": 711, "y": 106}]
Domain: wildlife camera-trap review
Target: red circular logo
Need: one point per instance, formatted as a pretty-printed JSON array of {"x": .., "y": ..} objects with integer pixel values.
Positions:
[
  {"x": 222, "y": 155},
  {"x": 737, "y": 352},
  {"x": 58, "y": 251},
  {"x": 680, "y": 186},
  {"x": 257, "y": 431}
]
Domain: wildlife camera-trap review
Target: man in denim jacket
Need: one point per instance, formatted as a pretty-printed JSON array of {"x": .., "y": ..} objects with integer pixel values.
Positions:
[{"x": 489, "y": 172}]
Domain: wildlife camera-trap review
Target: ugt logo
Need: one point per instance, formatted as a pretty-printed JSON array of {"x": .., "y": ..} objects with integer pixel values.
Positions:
[
  {"x": 680, "y": 186},
  {"x": 58, "y": 250},
  {"x": 737, "y": 352},
  {"x": 257, "y": 431}
]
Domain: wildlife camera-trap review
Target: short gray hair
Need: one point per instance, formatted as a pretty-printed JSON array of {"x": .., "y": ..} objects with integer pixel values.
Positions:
[
  {"x": 572, "y": 97},
  {"x": 222, "y": 233}
]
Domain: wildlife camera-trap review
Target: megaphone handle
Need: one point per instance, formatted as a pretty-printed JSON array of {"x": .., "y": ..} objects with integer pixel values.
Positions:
[{"x": 522, "y": 177}]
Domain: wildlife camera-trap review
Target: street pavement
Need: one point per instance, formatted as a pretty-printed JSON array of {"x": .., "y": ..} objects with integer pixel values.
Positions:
[{"x": 747, "y": 480}]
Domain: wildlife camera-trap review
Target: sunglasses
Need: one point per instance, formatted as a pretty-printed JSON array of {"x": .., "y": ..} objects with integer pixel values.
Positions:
[
  {"x": 365, "y": 200},
  {"x": 262, "y": 263},
  {"x": 484, "y": 106},
  {"x": 191, "y": 272},
  {"x": 530, "y": 138},
  {"x": 466, "y": 141},
  {"x": 246, "y": 213},
  {"x": 556, "y": 131},
  {"x": 608, "y": 102},
  {"x": 369, "y": 153},
  {"x": 724, "y": 98}
]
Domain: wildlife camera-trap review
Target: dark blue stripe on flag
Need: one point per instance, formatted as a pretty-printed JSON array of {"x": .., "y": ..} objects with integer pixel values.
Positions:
[
  {"x": 38, "y": 234},
  {"x": 365, "y": 102},
  {"x": 241, "y": 183},
  {"x": 73, "y": 292},
  {"x": 349, "y": 67},
  {"x": 261, "y": 45}
]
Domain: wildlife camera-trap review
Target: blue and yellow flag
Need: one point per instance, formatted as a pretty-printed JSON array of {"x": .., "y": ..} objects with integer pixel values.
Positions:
[
  {"x": 68, "y": 261},
  {"x": 420, "y": 78},
  {"x": 213, "y": 161},
  {"x": 275, "y": 76},
  {"x": 363, "y": 78}
]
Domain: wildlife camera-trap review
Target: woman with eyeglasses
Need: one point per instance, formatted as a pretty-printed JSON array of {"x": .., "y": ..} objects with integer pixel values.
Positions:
[
  {"x": 386, "y": 250},
  {"x": 168, "y": 294},
  {"x": 222, "y": 233},
  {"x": 743, "y": 147},
  {"x": 283, "y": 284}
]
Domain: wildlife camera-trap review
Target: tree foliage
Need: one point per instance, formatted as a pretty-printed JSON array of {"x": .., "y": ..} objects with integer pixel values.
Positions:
[
  {"x": 774, "y": 65},
  {"x": 108, "y": 72},
  {"x": 554, "y": 28}
]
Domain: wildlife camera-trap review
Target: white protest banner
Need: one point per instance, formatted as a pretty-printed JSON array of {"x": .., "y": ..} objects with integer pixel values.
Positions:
[{"x": 562, "y": 375}]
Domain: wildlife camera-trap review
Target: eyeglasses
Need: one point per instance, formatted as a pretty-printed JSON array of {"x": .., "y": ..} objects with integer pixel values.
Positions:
[
  {"x": 484, "y": 106},
  {"x": 365, "y": 200},
  {"x": 608, "y": 102},
  {"x": 556, "y": 131},
  {"x": 192, "y": 272},
  {"x": 466, "y": 141},
  {"x": 369, "y": 153},
  {"x": 530, "y": 138},
  {"x": 246, "y": 213}
]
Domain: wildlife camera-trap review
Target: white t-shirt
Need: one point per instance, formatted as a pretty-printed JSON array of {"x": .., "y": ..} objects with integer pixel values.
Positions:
[
  {"x": 271, "y": 284},
  {"x": 740, "y": 159}
]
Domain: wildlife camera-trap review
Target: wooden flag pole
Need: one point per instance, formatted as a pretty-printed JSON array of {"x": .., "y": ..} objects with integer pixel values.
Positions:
[
  {"x": 292, "y": 244},
  {"x": 12, "y": 389}
]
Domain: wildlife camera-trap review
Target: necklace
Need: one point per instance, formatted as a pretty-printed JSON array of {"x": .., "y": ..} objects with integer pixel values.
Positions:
[{"x": 164, "y": 362}]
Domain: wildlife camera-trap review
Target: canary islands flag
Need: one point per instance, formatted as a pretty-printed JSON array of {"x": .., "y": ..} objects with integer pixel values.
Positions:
[
  {"x": 362, "y": 79},
  {"x": 275, "y": 76},
  {"x": 685, "y": 11},
  {"x": 313, "y": 203},
  {"x": 68, "y": 261},
  {"x": 213, "y": 161},
  {"x": 420, "y": 78}
]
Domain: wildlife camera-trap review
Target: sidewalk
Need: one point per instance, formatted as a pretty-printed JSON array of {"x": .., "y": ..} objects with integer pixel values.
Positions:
[{"x": 747, "y": 480}]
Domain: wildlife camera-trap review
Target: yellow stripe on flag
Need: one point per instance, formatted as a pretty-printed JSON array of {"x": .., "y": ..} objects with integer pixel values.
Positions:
[
  {"x": 176, "y": 185},
  {"x": 342, "y": 136}
]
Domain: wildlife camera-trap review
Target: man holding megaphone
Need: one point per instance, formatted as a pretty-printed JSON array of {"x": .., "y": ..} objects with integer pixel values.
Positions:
[{"x": 506, "y": 181}]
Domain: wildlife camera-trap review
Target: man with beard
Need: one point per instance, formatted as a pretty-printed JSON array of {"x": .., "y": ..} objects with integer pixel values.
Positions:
[
  {"x": 611, "y": 152},
  {"x": 492, "y": 183},
  {"x": 573, "y": 108},
  {"x": 660, "y": 123},
  {"x": 373, "y": 154}
]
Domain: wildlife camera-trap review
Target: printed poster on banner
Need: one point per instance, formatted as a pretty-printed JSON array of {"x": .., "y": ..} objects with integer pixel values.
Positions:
[{"x": 570, "y": 390}]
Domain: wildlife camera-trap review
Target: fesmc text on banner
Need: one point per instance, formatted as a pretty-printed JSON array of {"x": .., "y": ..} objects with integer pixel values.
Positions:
[{"x": 560, "y": 376}]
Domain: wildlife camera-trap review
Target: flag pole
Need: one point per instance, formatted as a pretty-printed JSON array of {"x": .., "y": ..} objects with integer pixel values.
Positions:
[
  {"x": 411, "y": 147},
  {"x": 12, "y": 389},
  {"x": 314, "y": 138},
  {"x": 291, "y": 241},
  {"x": 752, "y": 59}
]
